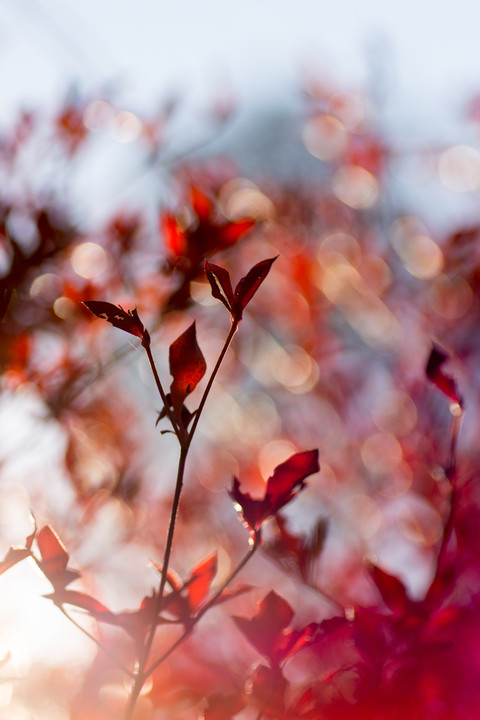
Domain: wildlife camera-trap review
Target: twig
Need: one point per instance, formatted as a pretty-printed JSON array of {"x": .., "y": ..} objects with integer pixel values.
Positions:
[
  {"x": 96, "y": 641},
  {"x": 203, "y": 610}
]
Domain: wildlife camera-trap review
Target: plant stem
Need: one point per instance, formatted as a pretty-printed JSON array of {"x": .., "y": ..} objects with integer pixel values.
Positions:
[
  {"x": 161, "y": 391},
  {"x": 97, "y": 642},
  {"x": 451, "y": 474},
  {"x": 140, "y": 676},
  {"x": 185, "y": 440},
  {"x": 233, "y": 330},
  {"x": 203, "y": 610}
]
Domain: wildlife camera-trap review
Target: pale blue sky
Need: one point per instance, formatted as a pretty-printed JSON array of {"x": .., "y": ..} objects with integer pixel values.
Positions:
[{"x": 258, "y": 47}]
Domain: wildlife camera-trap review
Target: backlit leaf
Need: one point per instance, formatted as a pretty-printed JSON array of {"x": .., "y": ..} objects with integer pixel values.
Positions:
[
  {"x": 54, "y": 558},
  {"x": 187, "y": 367},
  {"x": 126, "y": 320},
  {"x": 444, "y": 382}
]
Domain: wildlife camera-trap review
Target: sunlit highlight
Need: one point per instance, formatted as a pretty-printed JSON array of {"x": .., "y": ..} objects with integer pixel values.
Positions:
[
  {"x": 89, "y": 260},
  {"x": 450, "y": 298},
  {"x": 459, "y": 168},
  {"x": 240, "y": 198},
  {"x": 127, "y": 127},
  {"x": 343, "y": 285},
  {"x": 356, "y": 187},
  {"x": 395, "y": 412},
  {"x": 325, "y": 137},
  {"x": 421, "y": 255}
]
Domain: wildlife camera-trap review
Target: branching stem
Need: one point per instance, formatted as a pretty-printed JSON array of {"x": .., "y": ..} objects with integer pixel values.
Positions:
[{"x": 184, "y": 440}]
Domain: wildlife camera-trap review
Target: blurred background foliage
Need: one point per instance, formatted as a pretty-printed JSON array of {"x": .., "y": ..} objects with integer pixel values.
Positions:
[{"x": 378, "y": 244}]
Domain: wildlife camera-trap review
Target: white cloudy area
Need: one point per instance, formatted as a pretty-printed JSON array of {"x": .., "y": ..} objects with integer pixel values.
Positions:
[
  {"x": 258, "y": 48},
  {"x": 420, "y": 61}
]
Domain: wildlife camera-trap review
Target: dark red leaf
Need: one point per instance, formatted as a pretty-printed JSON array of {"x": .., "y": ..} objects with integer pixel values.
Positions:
[
  {"x": 223, "y": 707},
  {"x": 187, "y": 367},
  {"x": 391, "y": 589},
  {"x": 267, "y": 688},
  {"x": 126, "y": 320},
  {"x": 248, "y": 285},
  {"x": 54, "y": 558},
  {"x": 289, "y": 478},
  {"x": 219, "y": 280},
  {"x": 298, "y": 551},
  {"x": 265, "y": 630},
  {"x": 85, "y": 602},
  {"x": 200, "y": 580},
  {"x": 287, "y": 481},
  {"x": 235, "y": 302},
  {"x": 442, "y": 380}
]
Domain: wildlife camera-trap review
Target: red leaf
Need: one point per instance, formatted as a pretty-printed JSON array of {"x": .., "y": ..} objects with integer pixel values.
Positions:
[
  {"x": 267, "y": 688},
  {"x": 248, "y": 285},
  {"x": 54, "y": 558},
  {"x": 265, "y": 630},
  {"x": 187, "y": 367},
  {"x": 200, "y": 580},
  {"x": 287, "y": 481},
  {"x": 223, "y": 707},
  {"x": 233, "y": 231},
  {"x": 219, "y": 279},
  {"x": 444, "y": 382},
  {"x": 13, "y": 556},
  {"x": 299, "y": 551},
  {"x": 126, "y": 320},
  {"x": 235, "y": 302},
  {"x": 202, "y": 205},
  {"x": 85, "y": 602},
  {"x": 16, "y": 555},
  {"x": 391, "y": 589},
  {"x": 173, "y": 234}
]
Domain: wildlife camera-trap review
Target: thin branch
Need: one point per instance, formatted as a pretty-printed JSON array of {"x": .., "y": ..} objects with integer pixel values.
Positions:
[
  {"x": 451, "y": 475},
  {"x": 161, "y": 391},
  {"x": 97, "y": 642},
  {"x": 140, "y": 676},
  {"x": 233, "y": 330},
  {"x": 188, "y": 630}
]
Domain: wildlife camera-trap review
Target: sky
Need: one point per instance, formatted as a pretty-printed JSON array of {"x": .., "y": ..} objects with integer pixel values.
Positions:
[{"x": 258, "y": 49}]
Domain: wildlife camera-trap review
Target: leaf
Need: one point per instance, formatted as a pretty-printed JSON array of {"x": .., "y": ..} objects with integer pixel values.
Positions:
[
  {"x": 16, "y": 555},
  {"x": 54, "y": 558},
  {"x": 301, "y": 551},
  {"x": 268, "y": 630},
  {"x": 202, "y": 205},
  {"x": 267, "y": 688},
  {"x": 287, "y": 481},
  {"x": 13, "y": 556},
  {"x": 219, "y": 280},
  {"x": 86, "y": 602},
  {"x": 200, "y": 580},
  {"x": 392, "y": 590},
  {"x": 264, "y": 630},
  {"x": 236, "y": 302},
  {"x": 223, "y": 707},
  {"x": 442, "y": 380},
  {"x": 248, "y": 285},
  {"x": 126, "y": 320},
  {"x": 187, "y": 367},
  {"x": 173, "y": 234}
]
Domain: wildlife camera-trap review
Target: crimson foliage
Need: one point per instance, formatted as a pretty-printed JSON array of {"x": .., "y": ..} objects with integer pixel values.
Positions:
[{"x": 355, "y": 595}]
